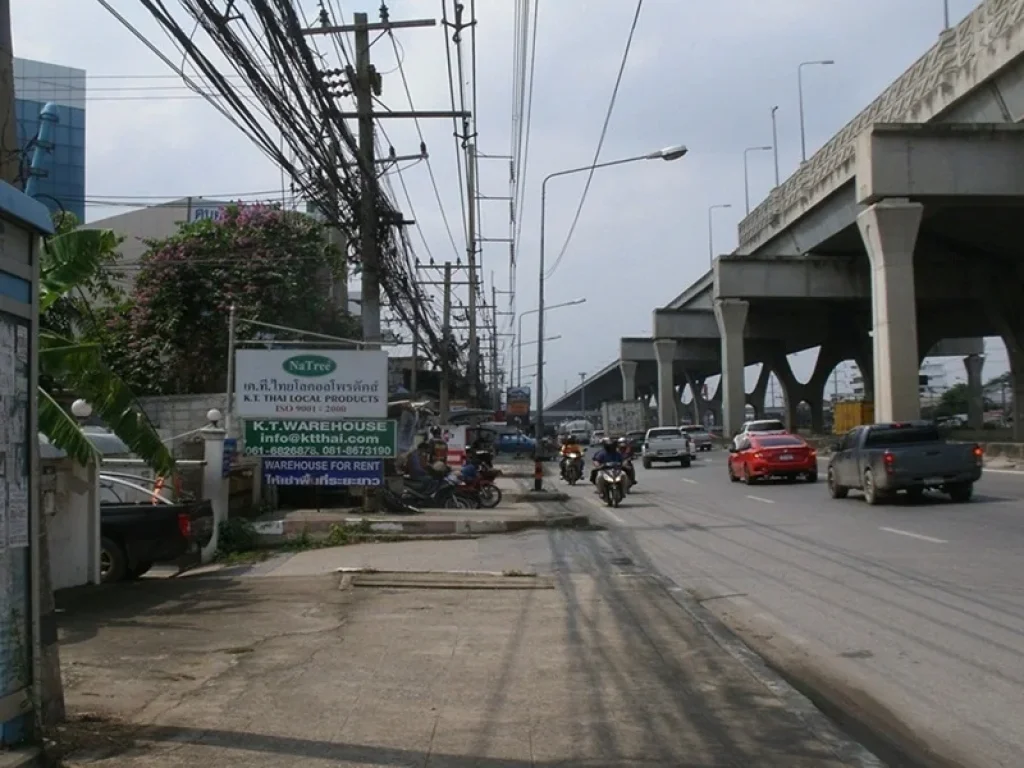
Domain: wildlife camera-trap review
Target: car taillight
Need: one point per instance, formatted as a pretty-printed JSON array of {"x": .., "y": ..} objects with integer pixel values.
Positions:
[
  {"x": 978, "y": 452},
  {"x": 889, "y": 460},
  {"x": 758, "y": 455},
  {"x": 184, "y": 524}
]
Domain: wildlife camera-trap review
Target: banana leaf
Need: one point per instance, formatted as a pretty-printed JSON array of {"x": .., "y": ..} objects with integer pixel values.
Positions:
[
  {"x": 80, "y": 369},
  {"x": 63, "y": 431},
  {"x": 71, "y": 259}
]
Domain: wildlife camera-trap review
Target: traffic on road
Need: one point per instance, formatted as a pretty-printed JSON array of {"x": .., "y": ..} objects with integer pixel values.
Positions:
[{"x": 911, "y": 605}]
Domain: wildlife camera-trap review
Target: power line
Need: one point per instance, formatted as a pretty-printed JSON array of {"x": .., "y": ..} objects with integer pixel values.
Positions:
[
  {"x": 423, "y": 146},
  {"x": 600, "y": 141},
  {"x": 523, "y": 150}
]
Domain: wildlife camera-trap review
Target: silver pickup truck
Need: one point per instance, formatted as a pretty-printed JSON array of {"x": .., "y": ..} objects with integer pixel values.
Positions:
[{"x": 881, "y": 459}]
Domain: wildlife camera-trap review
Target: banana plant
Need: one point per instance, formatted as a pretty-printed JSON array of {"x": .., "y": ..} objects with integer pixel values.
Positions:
[{"x": 69, "y": 261}]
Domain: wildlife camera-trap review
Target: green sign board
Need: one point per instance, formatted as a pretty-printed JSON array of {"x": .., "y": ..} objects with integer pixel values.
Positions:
[{"x": 372, "y": 438}]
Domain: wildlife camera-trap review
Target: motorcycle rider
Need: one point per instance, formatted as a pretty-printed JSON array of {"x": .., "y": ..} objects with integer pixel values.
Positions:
[
  {"x": 609, "y": 454},
  {"x": 570, "y": 445},
  {"x": 627, "y": 459}
]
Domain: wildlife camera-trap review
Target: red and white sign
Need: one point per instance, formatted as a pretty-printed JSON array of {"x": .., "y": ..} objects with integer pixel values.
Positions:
[{"x": 455, "y": 436}]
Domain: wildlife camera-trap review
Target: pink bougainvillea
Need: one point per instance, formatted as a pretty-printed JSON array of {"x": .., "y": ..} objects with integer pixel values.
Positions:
[{"x": 274, "y": 266}]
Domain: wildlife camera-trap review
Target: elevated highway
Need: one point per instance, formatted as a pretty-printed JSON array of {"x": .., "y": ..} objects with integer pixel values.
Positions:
[{"x": 901, "y": 232}]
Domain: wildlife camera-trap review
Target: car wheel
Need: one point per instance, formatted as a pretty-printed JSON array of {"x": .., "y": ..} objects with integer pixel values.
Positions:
[
  {"x": 647, "y": 463},
  {"x": 747, "y": 477},
  {"x": 812, "y": 477},
  {"x": 113, "y": 561},
  {"x": 835, "y": 490},
  {"x": 685, "y": 463},
  {"x": 732, "y": 477},
  {"x": 870, "y": 491}
]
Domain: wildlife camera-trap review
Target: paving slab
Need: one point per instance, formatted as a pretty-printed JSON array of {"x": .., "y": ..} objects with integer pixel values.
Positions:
[{"x": 586, "y": 669}]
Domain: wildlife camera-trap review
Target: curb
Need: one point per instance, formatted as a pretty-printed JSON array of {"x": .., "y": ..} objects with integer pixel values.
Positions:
[{"x": 289, "y": 530}]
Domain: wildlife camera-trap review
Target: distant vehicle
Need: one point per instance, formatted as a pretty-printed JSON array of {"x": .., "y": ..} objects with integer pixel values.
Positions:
[
  {"x": 515, "y": 443},
  {"x": 763, "y": 425},
  {"x": 663, "y": 444},
  {"x": 134, "y": 536},
  {"x": 759, "y": 456},
  {"x": 597, "y": 435},
  {"x": 881, "y": 459},
  {"x": 700, "y": 436},
  {"x": 636, "y": 440}
]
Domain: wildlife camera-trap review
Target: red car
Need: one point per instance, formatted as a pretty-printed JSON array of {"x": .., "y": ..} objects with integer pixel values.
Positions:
[{"x": 757, "y": 457}]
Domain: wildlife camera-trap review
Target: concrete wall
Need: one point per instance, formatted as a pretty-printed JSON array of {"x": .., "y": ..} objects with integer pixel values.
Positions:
[
  {"x": 70, "y": 500},
  {"x": 175, "y": 415}
]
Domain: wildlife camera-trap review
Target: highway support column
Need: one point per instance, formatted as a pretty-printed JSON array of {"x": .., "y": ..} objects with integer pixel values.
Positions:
[
  {"x": 628, "y": 370},
  {"x": 665, "y": 352},
  {"x": 889, "y": 229},
  {"x": 731, "y": 315},
  {"x": 975, "y": 391}
]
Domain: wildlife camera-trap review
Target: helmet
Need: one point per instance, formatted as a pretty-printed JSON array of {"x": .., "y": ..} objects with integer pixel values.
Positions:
[
  {"x": 607, "y": 442},
  {"x": 435, "y": 432},
  {"x": 623, "y": 441}
]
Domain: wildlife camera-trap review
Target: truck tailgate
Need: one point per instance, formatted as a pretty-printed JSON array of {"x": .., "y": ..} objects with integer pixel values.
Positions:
[
  {"x": 201, "y": 516},
  {"x": 933, "y": 460}
]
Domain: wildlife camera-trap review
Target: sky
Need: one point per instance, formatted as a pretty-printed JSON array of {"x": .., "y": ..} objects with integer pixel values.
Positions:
[{"x": 701, "y": 74}]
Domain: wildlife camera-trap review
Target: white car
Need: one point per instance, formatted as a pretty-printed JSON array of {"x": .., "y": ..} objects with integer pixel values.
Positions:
[
  {"x": 666, "y": 444},
  {"x": 764, "y": 427}
]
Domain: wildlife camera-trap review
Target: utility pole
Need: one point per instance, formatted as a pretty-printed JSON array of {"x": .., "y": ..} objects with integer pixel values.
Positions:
[
  {"x": 446, "y": 283},
  {"x": 366, "y": 84},
  {"x": 415, "y": 355},
  {"x": 446, "y": 332},
  {"x": 474, "y": 284},
  {"x": 10, "y": 153},
  {"x": 338, "y": 280},
  {"x": 583, "y": 395}
]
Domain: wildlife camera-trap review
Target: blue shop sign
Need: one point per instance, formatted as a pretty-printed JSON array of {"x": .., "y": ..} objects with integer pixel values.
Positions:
[{"x": 325, "y": 472}]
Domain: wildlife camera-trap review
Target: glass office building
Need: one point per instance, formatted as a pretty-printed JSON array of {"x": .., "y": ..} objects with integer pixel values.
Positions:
[{"x": 35, "y": 84}]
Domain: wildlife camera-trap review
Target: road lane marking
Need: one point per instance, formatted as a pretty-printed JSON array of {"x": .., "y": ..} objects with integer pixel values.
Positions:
[
  {"x": 1002, "y": 471},
  {"x": 762, "y": 500},
  {"x": 914, "y": 535},
  {"x": 689, "y": 480}
]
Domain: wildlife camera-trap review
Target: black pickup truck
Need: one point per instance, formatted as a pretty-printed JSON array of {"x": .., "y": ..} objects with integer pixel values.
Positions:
[
  {"x": 881, "y": 459},
  {"x": 136, "y": 535}
]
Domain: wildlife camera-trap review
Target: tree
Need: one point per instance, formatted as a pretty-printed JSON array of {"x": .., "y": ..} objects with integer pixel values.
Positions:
[
  {"x": 953, "y": 401},
  {"x": 71, "y": 365},
  {"x": 270, "y": 264}
]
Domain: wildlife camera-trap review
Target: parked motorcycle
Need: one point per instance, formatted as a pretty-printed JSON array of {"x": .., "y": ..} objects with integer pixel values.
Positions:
[
  {"x": 572, "y": 467},
  {"x": 448, "y": 493},
  {"x": 612, "y": 483}
]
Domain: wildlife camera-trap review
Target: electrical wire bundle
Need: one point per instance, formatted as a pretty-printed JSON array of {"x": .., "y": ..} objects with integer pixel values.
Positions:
[{"x": 288, "y": 87}]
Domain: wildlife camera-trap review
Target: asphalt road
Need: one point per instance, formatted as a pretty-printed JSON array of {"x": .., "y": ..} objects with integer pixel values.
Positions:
[{"x": 915, "y": 611}]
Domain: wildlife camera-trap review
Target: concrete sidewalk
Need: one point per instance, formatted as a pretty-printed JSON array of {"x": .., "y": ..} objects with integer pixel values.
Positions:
[
  {"x": 566, "y": 668},
  {"x": 518, "y": 510}
]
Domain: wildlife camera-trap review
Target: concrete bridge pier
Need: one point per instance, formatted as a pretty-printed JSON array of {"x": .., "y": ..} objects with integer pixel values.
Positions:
[
  {"x": 755, "y": 398},
  {"x": 628, "y": 370},
  {"x": 889, "y": 230},
  {"x": 975, "y": 391},
  {"x": 703, "y": 406},
  {"x": 665, "y": 353},
  {"x": 731, "y": 316}
]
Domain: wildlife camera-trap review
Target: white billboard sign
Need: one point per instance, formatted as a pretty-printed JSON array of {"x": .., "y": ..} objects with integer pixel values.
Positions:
[{"x": 325, "y": 384}]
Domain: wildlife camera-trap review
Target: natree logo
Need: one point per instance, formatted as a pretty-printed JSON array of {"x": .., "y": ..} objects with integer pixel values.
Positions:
[{"x": 309, "y": 365}]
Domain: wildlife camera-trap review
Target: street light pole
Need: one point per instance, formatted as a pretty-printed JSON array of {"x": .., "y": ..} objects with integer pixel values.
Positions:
[
  {"x": 945, "y": 8},
  {"x": 519, "y": 334},
  {"x": 669, "y": 153},
  {"x": 711, "y": 232},
  {"x": 775, "y": 144},
  {"x": 583, "y": 395},
  {"x": 800, "y": 94},
  {"x": 746, "y": 172}
]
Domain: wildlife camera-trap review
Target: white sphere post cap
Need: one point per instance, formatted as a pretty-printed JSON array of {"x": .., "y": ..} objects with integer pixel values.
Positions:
[
  {"x": 214, "y": 415},
  {"x": 81, "y": 409}
]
